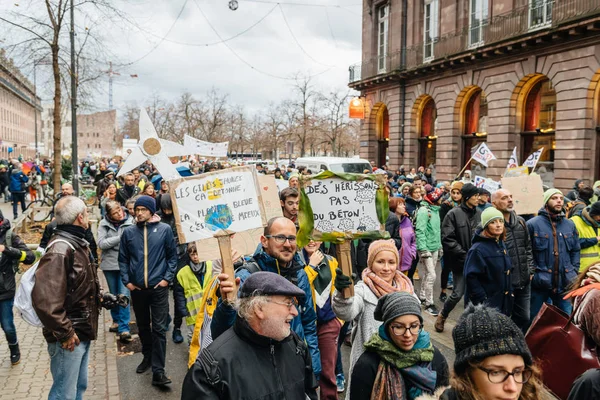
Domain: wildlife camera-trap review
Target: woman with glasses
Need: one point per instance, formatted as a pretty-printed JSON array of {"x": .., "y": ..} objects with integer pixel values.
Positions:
[
  {"x": 492, "y": 359},
  {"x": 399, "y": 361},
  {"x": 381, "y": 277}
]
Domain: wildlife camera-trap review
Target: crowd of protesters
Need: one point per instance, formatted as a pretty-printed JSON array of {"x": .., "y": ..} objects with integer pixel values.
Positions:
[{"x": 281, "y": 338}]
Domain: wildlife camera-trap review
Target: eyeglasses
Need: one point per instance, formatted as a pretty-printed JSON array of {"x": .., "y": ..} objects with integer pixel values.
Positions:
[
  {"x": 289, "y": 304},
  {"x": 400, "y": 330},
  {"x": 499, "y": 376},
  {"x": 282, "y": 238}
]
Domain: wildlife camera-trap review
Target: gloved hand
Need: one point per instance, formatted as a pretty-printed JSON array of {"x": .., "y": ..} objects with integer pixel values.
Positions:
[
  {"x": 341, "y": 281},
  {"x": 424, "y": 254},
  {"x": 110, "y": 301}
]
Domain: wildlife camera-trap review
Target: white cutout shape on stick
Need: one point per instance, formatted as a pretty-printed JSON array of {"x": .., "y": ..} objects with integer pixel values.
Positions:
[{"x": 151, "y": 147}]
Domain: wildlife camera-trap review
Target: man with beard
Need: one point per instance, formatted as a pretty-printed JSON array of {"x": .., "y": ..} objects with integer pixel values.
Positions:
[
  {"x": 290, "y": 200},
  {"x": 518, "y": 245},
  {"x": 555, "y": 246},
  {"x": 262, "y": 338},
  {"x": 276, "y": 253},
  {"x": 127, "y": 191}
]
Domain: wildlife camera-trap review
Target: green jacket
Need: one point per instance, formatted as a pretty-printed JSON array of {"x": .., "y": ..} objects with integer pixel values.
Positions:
[{"x": 427, "y": 227}]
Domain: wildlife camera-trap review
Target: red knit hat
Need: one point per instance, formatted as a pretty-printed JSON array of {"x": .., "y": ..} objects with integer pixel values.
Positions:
[{"x": 433, "y": 196}]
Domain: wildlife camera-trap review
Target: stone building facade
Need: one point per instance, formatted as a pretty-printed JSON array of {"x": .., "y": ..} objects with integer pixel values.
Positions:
[
  {"x": 18, "y": 108},
  {"x": 97, "y": 134},
  {"x": 447, "y": 75}
]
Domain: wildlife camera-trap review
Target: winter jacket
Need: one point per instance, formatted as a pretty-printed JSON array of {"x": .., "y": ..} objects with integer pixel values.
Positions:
[
  {"x": 518, "y": 245},
  {"x": 66, "y": 294},
  {"x": 18, "y": 251},
  {"x": 411, "y": 205},
  {"x": 358, "y": 308},
  {"x": 408, "y": 251},
  {"x": 446, "y": 206},
  {"x": 4, "y": 179},
  {"x": 89, "y": 237},
  {"x": 427, "y": 227},
  {"x": 487, "y": 274},
  {"x": 241, "y": 364},
  {"x": 17, "y": 181},
  {"x": 574, "y": 193},
  {"x": 457, "y": 232},
  {"x": 125, "y": 193},
  {"x": 542, "y": 245},
  {"x": 392, "y": 226},
  {"x": 365, "y": 372},
  {"x": 588, "y": 231},
  {"x": 305, "y": 323},
  {"x": 147, "y": 254},
  {"x": 109, "y": 238},
  {"x": 586, "y": 310}
]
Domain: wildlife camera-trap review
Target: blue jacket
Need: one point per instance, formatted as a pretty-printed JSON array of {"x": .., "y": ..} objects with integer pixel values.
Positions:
[
  {"x": 158, "y": 248},
  {"x": 17, "y": 181},
  {"x": 487, "y": 274},
  {"x": 542, "y": 245},
  {"x": 305, "y": 324}
]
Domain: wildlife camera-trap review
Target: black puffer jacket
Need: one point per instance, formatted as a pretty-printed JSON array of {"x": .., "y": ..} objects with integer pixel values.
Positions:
[
  {"x": 518, "y": 245},
  {"x": 241, "y": 364},
  {"x": 17, "y": 251},
  {"x": 457, "y": 233}
]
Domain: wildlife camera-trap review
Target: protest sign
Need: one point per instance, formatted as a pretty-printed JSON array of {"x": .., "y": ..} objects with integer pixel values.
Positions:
[
  {"x": 533, "y": 159},
  {"x": 281, "y": 183},
  {"x": 206, "y": 149},
  {"x": 517, "y": 171},
  {"x": 527, "y": 192},
  {"x": 513, "y": 161},
  {"x": 487, "y": 184},
  {"x": 218, "y": 204},
  {"x": 245, "y": 243},
  {"x": 483, "y": 155},
  {"x": 340, "y": 207}
]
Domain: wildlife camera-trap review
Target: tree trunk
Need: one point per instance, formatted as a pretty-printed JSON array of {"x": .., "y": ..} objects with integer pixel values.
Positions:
[{"x": 56, "y": 172}]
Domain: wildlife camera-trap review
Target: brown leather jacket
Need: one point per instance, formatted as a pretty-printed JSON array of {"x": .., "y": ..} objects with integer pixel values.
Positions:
[
  {"x": 66, "y": 294},
  {"x": 587, "y": 314}
]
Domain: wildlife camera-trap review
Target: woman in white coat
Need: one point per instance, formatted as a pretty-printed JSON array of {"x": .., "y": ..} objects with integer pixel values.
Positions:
[{"x": 379, "y": 278}]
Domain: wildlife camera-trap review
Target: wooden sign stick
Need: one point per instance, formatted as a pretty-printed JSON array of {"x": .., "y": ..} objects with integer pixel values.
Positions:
[
  {"x": 345, "y": 262},
  {"x": 225, "y": 249}
]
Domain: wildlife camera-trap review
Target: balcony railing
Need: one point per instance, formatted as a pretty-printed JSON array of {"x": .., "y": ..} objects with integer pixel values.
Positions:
[{"x": 542, "y": 14}]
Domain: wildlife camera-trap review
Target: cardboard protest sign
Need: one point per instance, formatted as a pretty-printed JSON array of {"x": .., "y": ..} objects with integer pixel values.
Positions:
[
  {"x": 517, "y": 171},
  {"x": 245, "y": 242},
  {"x": 527, "y": 192},
  {"x": 341, "y": 207},
  {"x": 281, "y": 184}
]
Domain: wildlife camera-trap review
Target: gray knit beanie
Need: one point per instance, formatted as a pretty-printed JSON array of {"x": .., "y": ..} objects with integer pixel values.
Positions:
[
  {"x": 397, "y": 304},
  {"x": 483, "y": 332}
]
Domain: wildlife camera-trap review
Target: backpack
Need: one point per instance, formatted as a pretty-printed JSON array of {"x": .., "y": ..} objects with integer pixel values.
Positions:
[
  {"x": 23, "y": 302},
  {"x": 413, "y": 216},
  {"x": 569, "y": 206}
]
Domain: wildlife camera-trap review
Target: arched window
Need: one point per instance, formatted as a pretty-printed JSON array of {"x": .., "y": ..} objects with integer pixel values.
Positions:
[
  {"x": 428, "y": 136},
  {"x": 539, "y": 124},
  {"x": 383, "y": 134},
  {"x": 474, "y": 129}
]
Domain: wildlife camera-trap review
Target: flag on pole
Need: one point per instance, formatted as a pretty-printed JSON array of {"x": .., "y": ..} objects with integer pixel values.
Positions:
[
  {"x": 533, "y": 159},
  {"x": 513, "y": 162},
  {"x": 483, "y": 154}
]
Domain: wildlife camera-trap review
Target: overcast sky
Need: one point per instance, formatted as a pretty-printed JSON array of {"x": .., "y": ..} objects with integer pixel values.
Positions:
[{"x": 328, "y": 41}]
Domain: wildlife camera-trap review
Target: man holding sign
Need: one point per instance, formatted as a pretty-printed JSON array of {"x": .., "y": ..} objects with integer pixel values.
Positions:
[{"x": 276, "y": 253}]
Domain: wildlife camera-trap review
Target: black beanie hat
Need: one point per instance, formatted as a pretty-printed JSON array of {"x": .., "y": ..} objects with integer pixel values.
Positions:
[
  {"x": 148, "y": 202},
  {"x": 595, "y": 209},
  {"x": 483, "y": 332},
  {"x": 397, "y": 304},
  {"x": 469, "y": 190}
]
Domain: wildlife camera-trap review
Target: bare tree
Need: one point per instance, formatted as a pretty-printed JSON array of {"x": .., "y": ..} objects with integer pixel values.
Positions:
[
  {"x": 213, "y": 115},
  {"x": 304, "y": 88},
  {"x": 335, "y": 120}
]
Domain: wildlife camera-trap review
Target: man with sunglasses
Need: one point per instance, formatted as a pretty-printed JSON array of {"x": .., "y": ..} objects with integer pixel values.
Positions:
[
  {"x": 276, "y": 253},
  {"x": 262, "y": 338}
]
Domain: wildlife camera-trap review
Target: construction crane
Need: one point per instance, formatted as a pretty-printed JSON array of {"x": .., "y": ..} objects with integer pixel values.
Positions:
[{"x": 111, "y": 72}]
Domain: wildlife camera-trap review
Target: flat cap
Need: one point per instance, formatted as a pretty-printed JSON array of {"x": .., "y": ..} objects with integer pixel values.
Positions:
[{"x": 269, "y": 283}]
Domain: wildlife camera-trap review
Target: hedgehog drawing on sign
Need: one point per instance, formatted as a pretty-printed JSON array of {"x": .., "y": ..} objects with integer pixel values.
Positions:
[
  {"x": 324, "y": 226},
  {"x": 365, "y": 194},
  {"x": 346, "y": 225},
  {"x": 366, "y": 223}
]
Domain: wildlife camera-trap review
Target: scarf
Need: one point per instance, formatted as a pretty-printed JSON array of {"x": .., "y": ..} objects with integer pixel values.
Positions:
[
  {"x": 402, "y": 374},
  {"x": 591, "y": 281},
  {"x": 74, "y": 230},
  {"x": 115, "y": 223},
  {"x": 379, "y": 287}
]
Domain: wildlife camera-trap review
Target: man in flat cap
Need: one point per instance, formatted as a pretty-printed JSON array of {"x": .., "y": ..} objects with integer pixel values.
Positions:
[{"x": 260, "y": 356}]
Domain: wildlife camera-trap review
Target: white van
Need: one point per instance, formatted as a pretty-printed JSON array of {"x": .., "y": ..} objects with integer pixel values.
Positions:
[{"x": 335, "y": 164}]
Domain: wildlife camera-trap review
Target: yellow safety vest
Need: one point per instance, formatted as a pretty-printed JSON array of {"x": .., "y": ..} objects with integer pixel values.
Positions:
[
  {"x": 193, "y": 290},
  {"x": 591, "y": 254},
  {"x": 202, "y": 336}
]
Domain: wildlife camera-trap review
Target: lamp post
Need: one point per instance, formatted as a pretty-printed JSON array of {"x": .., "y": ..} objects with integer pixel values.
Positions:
[{"x": 74, "y": 160}]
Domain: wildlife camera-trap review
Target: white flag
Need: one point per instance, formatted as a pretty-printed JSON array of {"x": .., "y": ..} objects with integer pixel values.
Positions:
[
  {"x": 206, "y": 149},
  {"x": 533, "y": 159},
  {"x": 483, "y": 154},
  {"x": 513, "y": 162}
]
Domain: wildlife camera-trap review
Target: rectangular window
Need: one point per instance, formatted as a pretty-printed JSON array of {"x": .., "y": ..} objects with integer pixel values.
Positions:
[
  {"x": 540, "y": 13},
  {"x": 382, "y": 37},
  {"x": 430, "y": 28}
]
